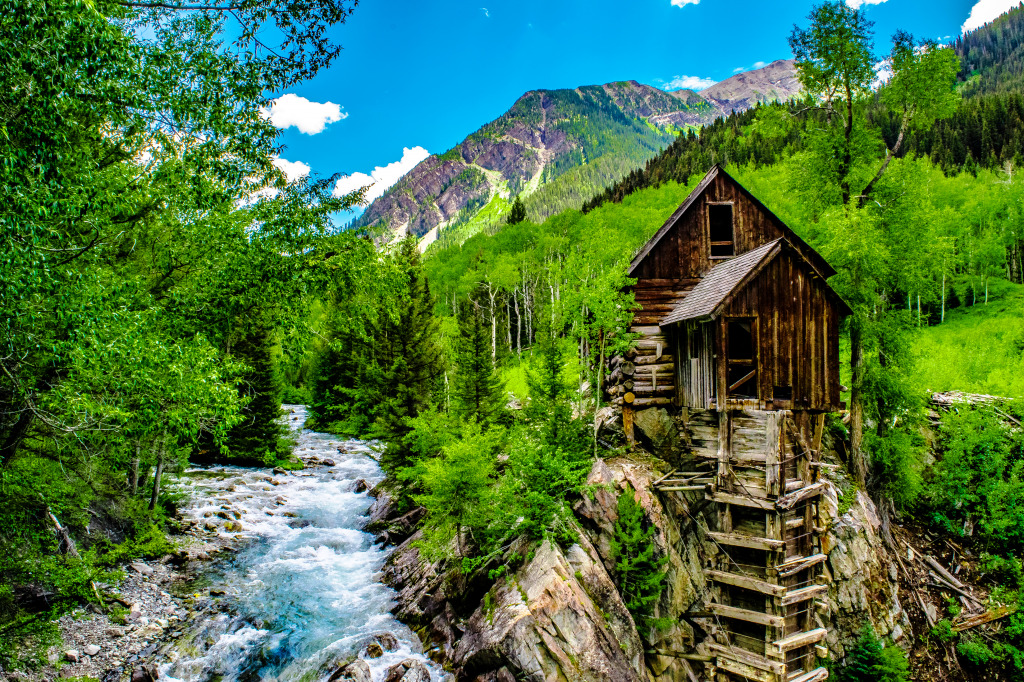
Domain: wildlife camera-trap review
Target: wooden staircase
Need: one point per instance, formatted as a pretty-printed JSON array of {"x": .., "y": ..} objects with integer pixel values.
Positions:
[{"x": 763, "y": 579}]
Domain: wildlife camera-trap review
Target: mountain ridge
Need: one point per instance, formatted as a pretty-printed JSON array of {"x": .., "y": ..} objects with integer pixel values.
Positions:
[{"x": 556, "y": 148}]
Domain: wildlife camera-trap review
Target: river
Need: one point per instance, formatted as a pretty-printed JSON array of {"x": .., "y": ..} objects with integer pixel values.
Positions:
[{"x": 302, "y": 594}]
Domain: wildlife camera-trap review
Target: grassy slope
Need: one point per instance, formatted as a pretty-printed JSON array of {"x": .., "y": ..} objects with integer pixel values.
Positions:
[{"x": 976, "y": 349}]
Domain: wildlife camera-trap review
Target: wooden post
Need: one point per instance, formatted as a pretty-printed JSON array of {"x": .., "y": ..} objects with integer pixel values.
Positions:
[{"x": 627, "y": 425}]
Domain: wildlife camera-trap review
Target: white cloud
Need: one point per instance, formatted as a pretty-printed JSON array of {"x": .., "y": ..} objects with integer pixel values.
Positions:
[
  {"x": 737, "y": 69},
  {"x": 309, "y": 117},
  {"x": 857, "y": 4},
  {"x": 689, "y": 83},
  {"x": 684, "y": 3},
  {"x": 293, "y": 170},
  {"x": 985, "y": 11},
  {"x": 382, "y": 177},
  {"x": 758, "y": 65},
  {"x": 487, "y": 12}
]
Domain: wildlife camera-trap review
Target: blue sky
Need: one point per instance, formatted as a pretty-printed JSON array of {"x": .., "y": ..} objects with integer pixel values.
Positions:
[{"x": 419, "y": 76}]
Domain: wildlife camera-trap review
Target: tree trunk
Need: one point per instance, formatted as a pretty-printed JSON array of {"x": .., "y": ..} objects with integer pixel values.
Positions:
[
  {"x": 159, "y": 472},
  {"x": 942, "y": 317},
  {"x": 859, "y": 465},
  {"x": 519, "y": 325},
  {"x": 133, "y": 480}
]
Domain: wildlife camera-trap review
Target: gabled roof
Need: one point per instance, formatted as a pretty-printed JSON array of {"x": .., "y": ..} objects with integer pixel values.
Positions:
[
  {"x": 819, "y": 264},
  {"x": 713, "y": 290},
  {"x": 716, "y": 288}
]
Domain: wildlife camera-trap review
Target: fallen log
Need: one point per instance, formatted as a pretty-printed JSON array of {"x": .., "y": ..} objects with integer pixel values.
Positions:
[{"x": 987, "y": 617}]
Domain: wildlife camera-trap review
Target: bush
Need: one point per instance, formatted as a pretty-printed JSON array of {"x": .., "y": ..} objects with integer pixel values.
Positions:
[
  {"x": 871, "y": 661},
  {"x": 978, "y": 487}
]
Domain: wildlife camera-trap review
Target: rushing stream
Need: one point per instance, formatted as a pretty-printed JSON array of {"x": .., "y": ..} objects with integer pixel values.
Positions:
[{"x": 302, "y": 594}]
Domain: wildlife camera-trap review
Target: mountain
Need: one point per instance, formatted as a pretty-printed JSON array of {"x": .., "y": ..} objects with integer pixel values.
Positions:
[{"x": 557, "y": 148}]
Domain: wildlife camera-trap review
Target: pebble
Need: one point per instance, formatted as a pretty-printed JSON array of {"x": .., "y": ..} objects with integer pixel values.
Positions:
[
  {"x": 91, "y": 650},
  {"x": 72, "y": 656}
]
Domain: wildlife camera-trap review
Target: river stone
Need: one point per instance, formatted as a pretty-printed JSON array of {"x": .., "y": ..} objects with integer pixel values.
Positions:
[
  {"x": 418, "y": 673},
  {"x": 72, "y": 656},
  {"x": 402, "y": 671},
  {"x": 360, "y": 486},
  {"x": 374, "y": 650},
  {"x": 91, "y": 650},
  {"x": 387, "y": 641},
  {"x": 356, "y": 671},
  {"x": 328, "y": 462}
]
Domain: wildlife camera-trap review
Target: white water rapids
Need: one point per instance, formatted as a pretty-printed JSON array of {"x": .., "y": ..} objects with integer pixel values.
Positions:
[{"x": 303, "y": 594}]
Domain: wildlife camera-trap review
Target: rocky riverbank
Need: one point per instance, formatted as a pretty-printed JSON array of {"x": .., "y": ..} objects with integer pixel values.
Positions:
[{"x": 273, "y": 578}]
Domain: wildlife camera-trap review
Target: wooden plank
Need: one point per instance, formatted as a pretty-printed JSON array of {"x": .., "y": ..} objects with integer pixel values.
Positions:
[
  {"x": 748, "y": 657},
  {"x": 743, "y": 581},
  {"x": 788, "y": 501},
  {"x": 742, "y": 500},
  {"x": 803, "y": 594},
  {"x": 816, "y": 675},
  {"x": 745, "y": 671},
  {"x": 772, "y": 453},
  {"x": 747, "y": 615},
  {"x": 794, "y": 566},
  {"x": 795, "y": 641}
]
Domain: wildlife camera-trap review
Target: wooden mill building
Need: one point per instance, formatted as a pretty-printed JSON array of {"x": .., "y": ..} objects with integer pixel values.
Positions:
[{"x": 739, "y": 337}]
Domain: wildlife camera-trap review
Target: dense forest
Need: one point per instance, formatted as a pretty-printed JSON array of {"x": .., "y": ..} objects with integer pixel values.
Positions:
[{"x": 165, "y": 287}]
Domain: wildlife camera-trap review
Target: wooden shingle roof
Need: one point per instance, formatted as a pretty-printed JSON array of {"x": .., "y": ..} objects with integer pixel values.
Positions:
[{"x": 713, "y": 291}]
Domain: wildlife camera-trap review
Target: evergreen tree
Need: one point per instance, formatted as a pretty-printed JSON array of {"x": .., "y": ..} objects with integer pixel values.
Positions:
[
  {"x": 407, "y": 360},
  {"x": 256, "y": 436},
  {"x": 518, "y": 212},
  {"x": 549, "y": 403},
  {"x": 477, "y": 387},
  {"x": 640, "y": 575}
]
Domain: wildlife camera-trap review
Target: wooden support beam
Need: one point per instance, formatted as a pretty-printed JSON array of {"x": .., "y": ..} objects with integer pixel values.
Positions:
[
  {"x": 794, "y": 566},
  {"x": 746, "y": 614},
  {"x": 748, "y": 541},
  {"x": 680, "y": 488},
  {"x": 815, "y": 675},
  {"x": 803, "y": 594},
  {"x": 745, "y": 671},
  {"x": 795, "y": 641},
  {"x": 741, "y": 500},
  {"x": 748, "y": 657},
  {"x": 747, "y": 583},
  {"x": 807, "y": 492}
]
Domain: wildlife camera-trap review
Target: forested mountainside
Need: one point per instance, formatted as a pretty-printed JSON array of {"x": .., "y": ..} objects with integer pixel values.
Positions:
[
  {"x": 556, "y": 147},
  {"x": 987, "y": 129},
  {"x": 992, "y": 57}
]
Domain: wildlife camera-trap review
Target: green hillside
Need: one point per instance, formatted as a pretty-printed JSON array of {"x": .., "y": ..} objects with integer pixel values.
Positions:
[{"x": 979, "y": 348}]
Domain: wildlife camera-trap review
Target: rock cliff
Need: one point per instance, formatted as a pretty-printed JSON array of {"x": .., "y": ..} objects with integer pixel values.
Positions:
[{"x": 559, "y": 616}]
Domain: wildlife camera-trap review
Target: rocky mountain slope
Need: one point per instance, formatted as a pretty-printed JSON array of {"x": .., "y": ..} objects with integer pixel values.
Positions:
[{"x": 557, "y": 148}]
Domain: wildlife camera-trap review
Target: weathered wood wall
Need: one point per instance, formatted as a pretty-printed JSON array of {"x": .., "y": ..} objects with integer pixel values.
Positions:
[
  {"x": 798, "y": 332},
  {"x": 685, "y": 250}
]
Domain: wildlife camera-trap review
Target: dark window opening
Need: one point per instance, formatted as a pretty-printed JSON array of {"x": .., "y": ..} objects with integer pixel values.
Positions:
[
  {"x": 741, "y": 376},
  {"x": 720, "y": 230},
  {"x": 782, "y": 393}
]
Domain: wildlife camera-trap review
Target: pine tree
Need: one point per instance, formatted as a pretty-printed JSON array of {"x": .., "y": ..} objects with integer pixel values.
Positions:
[
  {"x": 476, "y": 385},
  {"x": 408, "y": 361},
  {"x": 518, "y": 212},
  {"x": 256, "y": 436},
  {"x": 640, "y": 575}
]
